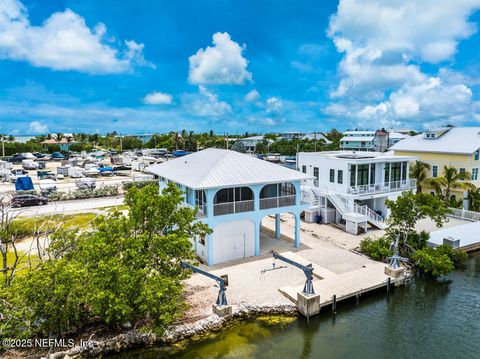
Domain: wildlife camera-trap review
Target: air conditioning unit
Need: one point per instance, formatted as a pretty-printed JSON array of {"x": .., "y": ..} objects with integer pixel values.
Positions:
[{"x": 452, "y": 242}]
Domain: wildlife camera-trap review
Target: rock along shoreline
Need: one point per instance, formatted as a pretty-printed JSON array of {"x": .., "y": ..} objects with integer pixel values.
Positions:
[{"x": 137, "y": 339}]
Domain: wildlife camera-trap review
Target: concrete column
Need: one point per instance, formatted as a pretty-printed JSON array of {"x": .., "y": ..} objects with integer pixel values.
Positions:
[
  {"x": 210, "y": 195},
  {"x": 210, "y": 249},
  {"x": 277, "y": 226},
  {"x": 297, "y": 230},
  {"x": 258, "y": 225}
]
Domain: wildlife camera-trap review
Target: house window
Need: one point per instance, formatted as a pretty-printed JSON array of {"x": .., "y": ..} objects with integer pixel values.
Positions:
[
  {"x": 396, "y": 171},
  {"x": 315, "y": 172},
  {"x": 362, "y": 175},
  {"x": 340, "y": 176},
  {"x": 352, "y": 174},
  {"x": 462, "y": 171},
  {"x": 387, "y": 173},
  {"x": 332, "y": 175},
  {"x": 474, "y": 174},
  {"x": 476, "y": 155},
  {"x": 404, "y": 170},
  {"x": 434, "y": 171},
  {"x": 304, "y": 169},
  {"x": 372, "y": 173}
]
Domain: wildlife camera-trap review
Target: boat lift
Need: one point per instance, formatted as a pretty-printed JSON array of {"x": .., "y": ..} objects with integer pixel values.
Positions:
[
  {"x": 395, "y": 260},
  {"x": 222, "y": 283},
  {"x": 308, "y": 270}
]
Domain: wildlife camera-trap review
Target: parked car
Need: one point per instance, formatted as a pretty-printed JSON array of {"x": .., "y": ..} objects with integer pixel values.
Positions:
[
  {"x": 24, "y": 200},
  {"x": 86, "y": 183}
]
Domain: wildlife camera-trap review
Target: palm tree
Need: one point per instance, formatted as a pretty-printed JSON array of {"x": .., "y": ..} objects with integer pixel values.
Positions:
[
  {"x": 451, "y": 180},
  {"x": 474, "y": 199},
  {"x": 419, "y": 171}
]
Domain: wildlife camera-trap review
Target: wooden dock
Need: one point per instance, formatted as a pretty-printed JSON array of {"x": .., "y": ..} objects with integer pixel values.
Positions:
[{"x": 343, "y": 286}]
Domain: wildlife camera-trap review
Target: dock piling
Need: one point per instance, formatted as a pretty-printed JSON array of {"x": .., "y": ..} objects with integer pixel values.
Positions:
[{"x": 334, "y": 304}]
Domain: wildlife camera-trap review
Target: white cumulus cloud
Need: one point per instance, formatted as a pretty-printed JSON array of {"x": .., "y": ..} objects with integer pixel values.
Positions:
[
  {"x": 222, "y": 63},
  {"x": 382, "y": 40},
  {"x": 252, "y": 96},
  {"x": 205, "y": 103},
  {"x": 37, "y": 127},
  {"x": 384, "y": 47},
  {"x": 62, "y": 42},
  {"x": 157, "y": 98},
  {"x": 274, "y": 105}
]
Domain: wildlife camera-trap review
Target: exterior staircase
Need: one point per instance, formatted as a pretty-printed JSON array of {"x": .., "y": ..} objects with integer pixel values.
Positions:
[{"x": 344, "y": 205}]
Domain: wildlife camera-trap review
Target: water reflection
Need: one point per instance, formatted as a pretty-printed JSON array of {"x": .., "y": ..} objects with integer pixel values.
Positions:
[{"x": 426, "y": 319}]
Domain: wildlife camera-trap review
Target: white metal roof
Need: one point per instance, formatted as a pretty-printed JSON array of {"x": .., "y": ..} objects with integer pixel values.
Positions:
[
  {"x": 353, "y": 133},
  {"x": 215, "y": 167},
  {"x": 397, "y": 135},
  {"x": 465, "y": 140},
  {"x": 466, "y": 233},
  {"x": 357, "y": 138}
]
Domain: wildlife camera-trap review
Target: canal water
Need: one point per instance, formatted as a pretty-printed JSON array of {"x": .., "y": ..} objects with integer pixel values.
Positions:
[{"x": 428, "y": 319}]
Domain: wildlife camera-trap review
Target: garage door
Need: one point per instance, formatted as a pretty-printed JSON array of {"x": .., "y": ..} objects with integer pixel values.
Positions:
[
  {"x": 233, "y": 240},
  {"x": 232, "y": 247}
]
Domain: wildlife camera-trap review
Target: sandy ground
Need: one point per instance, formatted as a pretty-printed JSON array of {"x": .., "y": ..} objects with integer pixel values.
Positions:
[{"x": 324, "y": 245}]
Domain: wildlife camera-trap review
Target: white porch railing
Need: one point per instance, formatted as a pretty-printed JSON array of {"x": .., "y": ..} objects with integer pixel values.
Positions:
[
  {"x": 371, "y": 214},
  {"x": 465, "y": 214},
  {"x": 274, "y": 202},
  {"x": 385, "y": 187},
  {"x": 232, "y": 207}
]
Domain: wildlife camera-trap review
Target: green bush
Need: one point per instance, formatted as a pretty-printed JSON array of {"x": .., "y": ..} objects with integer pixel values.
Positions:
[
  {"x": 378, "y": 249},
  {"x": 104, "y": 191},
  {"x": 418, "y": 240},
  {"x": 456, "y": 256},
  {"x": 126, "y": 269},
  {"x": 433, "y": 262},
  {"x": 139, "y": 184}
]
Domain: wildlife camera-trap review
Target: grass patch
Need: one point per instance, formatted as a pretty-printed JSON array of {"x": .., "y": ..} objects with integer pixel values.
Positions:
[
  {"x": 29, "y": 226},
  {"x": 22, "y": 265}
]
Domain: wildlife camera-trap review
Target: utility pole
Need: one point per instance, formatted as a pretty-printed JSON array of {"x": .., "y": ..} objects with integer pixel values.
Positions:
[
  {"x": 315, "y": 140},
  {"x": 3, "y": 146}
]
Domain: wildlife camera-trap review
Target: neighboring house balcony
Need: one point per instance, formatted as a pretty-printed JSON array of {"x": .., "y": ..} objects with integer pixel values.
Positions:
[{"x": 378, "y": 188}]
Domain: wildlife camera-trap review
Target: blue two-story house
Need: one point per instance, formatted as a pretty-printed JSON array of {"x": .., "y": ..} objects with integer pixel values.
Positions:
[{"x": 233, "y": 193}]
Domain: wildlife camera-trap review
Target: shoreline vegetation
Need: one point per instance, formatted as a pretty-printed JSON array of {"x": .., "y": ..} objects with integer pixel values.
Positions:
[{"x": 123, "y": 275}]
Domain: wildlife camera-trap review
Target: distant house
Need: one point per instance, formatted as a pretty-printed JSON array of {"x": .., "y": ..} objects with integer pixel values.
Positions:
[
  {"x": 395, "y": 137},
  {"x": 450, "y": 146},
  {"x": 233, "y": 192},
  {"x": 376, "y": 141},
  {"x": 64, "y": 143},
  {"x": 316, "y": 136},
  {"x": 250, "y": 143}
]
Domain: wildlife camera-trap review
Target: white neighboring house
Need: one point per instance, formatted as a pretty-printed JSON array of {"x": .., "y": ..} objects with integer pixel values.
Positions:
[
  {"x": 395, "y": 137},
  {"x": 350, "y": 188},
  {"x": 233, "y": 192},
  {"x": 250, "y": 143},
  {"x": 364, "y": 141}
]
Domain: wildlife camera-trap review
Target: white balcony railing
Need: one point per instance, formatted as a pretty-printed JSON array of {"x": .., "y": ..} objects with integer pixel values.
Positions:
[
  {"x": 274, "y": 202},
  {"x": 385, "y": 187},
  {"x": 220, "y": 209}
]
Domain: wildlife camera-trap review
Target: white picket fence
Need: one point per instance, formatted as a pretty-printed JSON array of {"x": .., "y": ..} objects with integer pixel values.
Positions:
[{"x": 465, "y": 214}]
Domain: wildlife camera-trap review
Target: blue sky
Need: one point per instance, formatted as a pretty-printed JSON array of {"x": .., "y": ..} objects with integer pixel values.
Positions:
[{"x": 237, "y": 66}]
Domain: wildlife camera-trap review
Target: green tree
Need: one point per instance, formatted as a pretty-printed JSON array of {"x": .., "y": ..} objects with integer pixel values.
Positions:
[
  {"x": 449, "y": 181},
  {"x": 419, "y": 171},
  {"x": 408, "y": 209},
  {"x": 126, "y": 269},
  {"x": 474, "y": 199}
]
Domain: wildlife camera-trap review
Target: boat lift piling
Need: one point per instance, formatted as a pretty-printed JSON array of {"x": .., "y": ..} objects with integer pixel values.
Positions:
[
  {"x": 308, "y": 303},
  {"x": 221, "y": 306}
]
